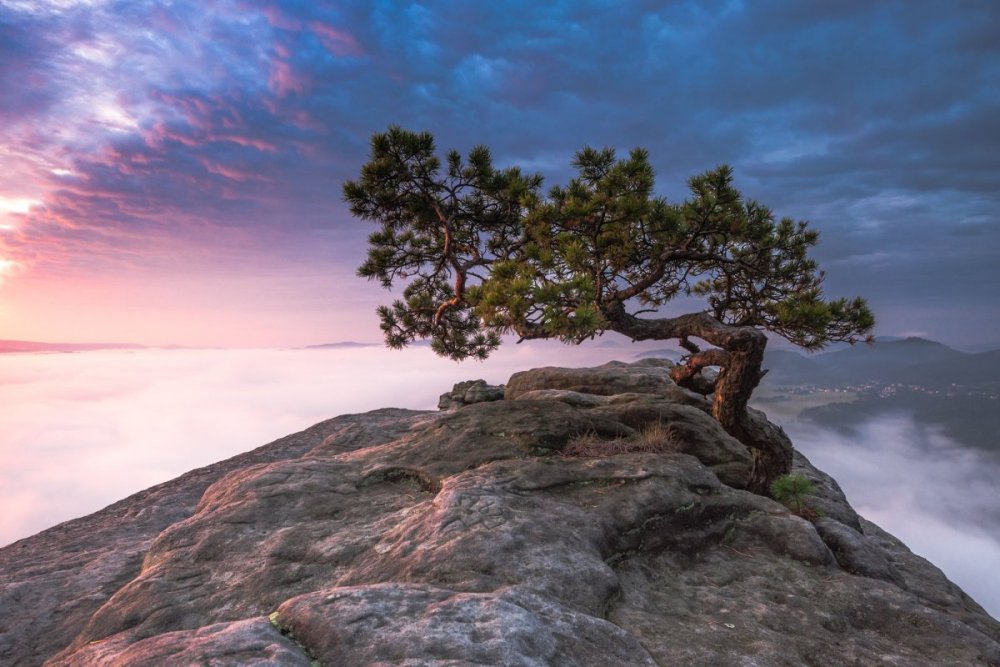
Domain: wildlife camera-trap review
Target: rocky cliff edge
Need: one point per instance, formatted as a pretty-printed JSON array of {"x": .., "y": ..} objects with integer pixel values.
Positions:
[{"x": 590, "y": 517}]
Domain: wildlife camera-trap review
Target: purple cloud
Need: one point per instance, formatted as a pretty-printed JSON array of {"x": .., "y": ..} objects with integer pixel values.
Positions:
[{"x": 233, "y": 119}]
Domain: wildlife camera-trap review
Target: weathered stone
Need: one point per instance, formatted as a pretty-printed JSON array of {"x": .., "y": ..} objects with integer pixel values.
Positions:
[
  {"x": 574, "y": 398},
  {"x": 827, "y": 497},
  {"x": 855, "y": 552},
  {"x": 251, "y": 642},
  {"x": 53, "y": 582},
  {"x": 648, "y": 376},
  {"x": 704, "y": 381},
  {"x": 470, "y": 537},
  {"x": 480, "y": 392},
  {"x": 692, "y": 430},
  {"x": 424, "y": 625},
  {"x": 469, "y": 392}
]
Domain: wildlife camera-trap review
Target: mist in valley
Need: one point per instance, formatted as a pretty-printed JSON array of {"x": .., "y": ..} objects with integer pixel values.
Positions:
[
  {"x": 80, "y": 431},
  {"x": 937, "y": 495}
]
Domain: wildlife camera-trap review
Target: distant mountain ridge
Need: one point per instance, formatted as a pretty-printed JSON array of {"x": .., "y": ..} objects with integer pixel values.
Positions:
[
  {"x": 11, "y": 346},
  {"x": 930, "y": 383},
  {"x": 347, "y": 344},
  {"x": 909, "y": 361},
  {"x": 26, "y": 346}
]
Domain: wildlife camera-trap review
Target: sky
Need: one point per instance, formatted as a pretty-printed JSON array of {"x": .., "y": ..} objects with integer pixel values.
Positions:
[{"x": 171, "y": 172}]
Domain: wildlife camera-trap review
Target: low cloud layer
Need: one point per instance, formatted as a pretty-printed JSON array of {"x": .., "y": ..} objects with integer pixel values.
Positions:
[
  {"x": 80, "y": 431},
  {"x": 938, "y": 497}
]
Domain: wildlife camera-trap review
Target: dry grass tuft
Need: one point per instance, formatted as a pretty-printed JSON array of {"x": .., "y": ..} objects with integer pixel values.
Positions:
[
  {"x": 655, "y": 438},
  {"x": 591, "y": 445}
]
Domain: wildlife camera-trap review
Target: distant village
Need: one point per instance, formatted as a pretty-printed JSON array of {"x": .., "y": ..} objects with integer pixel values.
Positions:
[{"x": 882, "y": 390}]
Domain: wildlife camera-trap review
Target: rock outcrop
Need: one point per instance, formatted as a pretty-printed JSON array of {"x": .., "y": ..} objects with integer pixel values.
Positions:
[
  {"x": 469, "y": 392},
  {"x": 487, "y": 535}
]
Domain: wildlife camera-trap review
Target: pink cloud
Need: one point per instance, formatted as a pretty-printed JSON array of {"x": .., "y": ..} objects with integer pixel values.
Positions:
[
  {"x": 161, "y": 132},
  {"x": 251, "y": 142},
  {"x": 284, "y": 80},
  {"x": 338, "y": 42},
  {"x": 208, "y": 115},
  {"x": 231, "y": 173},
  {"x": 278, "y": 19}
]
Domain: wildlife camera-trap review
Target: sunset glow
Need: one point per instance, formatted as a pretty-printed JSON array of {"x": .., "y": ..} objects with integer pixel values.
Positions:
[
  {"x": 184, "y": 160},
  {"x": 729, "y": 271}
]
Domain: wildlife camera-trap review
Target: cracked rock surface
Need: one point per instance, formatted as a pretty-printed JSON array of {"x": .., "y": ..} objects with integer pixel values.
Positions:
[{"x": 470, "y": 537}]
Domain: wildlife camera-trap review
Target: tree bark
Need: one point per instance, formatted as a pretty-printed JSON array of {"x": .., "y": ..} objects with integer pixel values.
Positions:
[{"x": 740, "y": 355}]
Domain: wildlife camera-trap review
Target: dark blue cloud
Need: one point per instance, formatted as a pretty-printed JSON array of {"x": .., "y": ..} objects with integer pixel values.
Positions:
[{"x": 878, "y": 121}]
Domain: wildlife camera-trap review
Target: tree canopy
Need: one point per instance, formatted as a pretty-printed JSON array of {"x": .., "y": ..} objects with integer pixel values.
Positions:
[{"x": 483, "y": 252}]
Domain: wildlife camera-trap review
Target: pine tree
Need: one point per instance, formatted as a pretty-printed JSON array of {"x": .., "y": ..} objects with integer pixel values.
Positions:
[
  {"x": 791, "y": 491},
  {"x": 483, "y": 252}
]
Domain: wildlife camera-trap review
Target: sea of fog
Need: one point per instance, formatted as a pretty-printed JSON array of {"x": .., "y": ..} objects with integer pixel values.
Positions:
[{"x": 80, "y": 431}]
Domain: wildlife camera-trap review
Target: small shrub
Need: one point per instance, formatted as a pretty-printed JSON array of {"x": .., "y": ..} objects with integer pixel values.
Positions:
[{"x": 791, "y": 491}]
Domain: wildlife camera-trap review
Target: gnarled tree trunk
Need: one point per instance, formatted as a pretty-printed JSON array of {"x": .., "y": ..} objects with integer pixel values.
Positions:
[{"x": 739, "y": 357}]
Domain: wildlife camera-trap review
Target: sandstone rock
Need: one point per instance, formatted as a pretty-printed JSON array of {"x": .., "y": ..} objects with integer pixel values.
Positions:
[
  {"x": 854, "y": 551},
  {"x": 53, "y": 582},
  {"x": 469, "y": 392},
  {"x": 247, "y": 643},
  {"x": 393, "y": 623},
  {"x": 704, "y": 381},
  {"x": 574, "y": 398},
  {"x": 827, "y": 497},
  {"x": 648, "y": 376},
  {"x": 692, "y": 430},
  {"x": 471, "y": 537}
]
